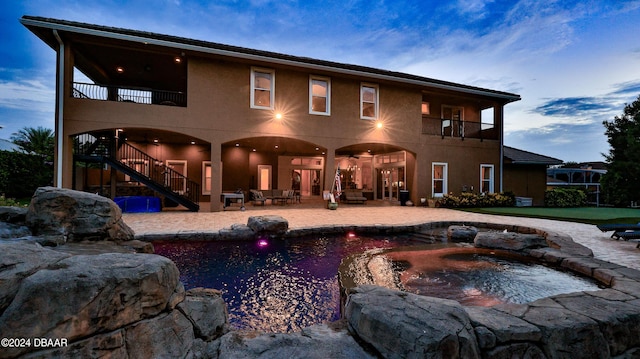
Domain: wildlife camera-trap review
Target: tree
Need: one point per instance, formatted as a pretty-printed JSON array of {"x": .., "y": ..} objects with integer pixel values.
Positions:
[
  {"x": 39, "y": 141},
  {"x": 621, "y": 184}
]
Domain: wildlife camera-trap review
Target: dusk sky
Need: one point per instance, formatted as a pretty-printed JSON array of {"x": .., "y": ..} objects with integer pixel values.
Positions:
[{"x": 574, "y": 63}]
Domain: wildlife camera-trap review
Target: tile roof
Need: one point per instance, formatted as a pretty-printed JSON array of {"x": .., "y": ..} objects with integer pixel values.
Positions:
[
  {"x": 8, "y": 146},
  {"x": 517, "y": 156},
  {"x": 205, "y": 46}
]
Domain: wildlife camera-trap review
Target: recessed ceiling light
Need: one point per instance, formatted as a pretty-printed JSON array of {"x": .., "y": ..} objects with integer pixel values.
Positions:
[{"x": 119, "y": 69}]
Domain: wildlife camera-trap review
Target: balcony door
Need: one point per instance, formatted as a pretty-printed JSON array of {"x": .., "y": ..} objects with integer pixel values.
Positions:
[{"x": 452, "y": 121}]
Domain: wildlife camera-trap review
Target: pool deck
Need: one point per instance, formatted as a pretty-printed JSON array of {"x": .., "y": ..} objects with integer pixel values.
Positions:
[{"x": 174, "y": 222}]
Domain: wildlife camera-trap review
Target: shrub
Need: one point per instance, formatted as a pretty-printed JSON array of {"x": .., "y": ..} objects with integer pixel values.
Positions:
[
  {"x": 565, "y": 197},
  {"x": 468, "y": 200},
  {"x": 21, "y": 174},
  {"x": 10, "y": 202}
]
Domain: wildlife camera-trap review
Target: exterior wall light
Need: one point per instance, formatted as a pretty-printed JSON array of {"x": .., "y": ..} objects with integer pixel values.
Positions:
[
  {"x": 278, "y": 116},
  {"x": 378, "y": 124},
  {"x": 119, "y": 69}
]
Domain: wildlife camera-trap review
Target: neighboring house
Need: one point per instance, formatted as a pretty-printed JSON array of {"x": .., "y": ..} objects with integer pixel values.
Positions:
[
  {"x": 200, "y": 118},
  {"x": 9, "y": 146},
  {"x": 525, "y": 173},
  {"x": 585, "y": 175}
]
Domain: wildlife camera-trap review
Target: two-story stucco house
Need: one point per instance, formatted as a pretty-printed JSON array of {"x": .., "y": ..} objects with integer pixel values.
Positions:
[{"x": 197, "y": 119}]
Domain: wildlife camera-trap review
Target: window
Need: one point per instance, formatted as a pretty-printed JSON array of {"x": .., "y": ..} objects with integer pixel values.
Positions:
[
  {"x": 319, "y": 95},
  {"x": 438, "y": 179},
  {"x": 262, "y": 88},
  {"x": 486, "y": 178},
  {"x": 425, "y": 108},
  {"x": 206, "y": 177},
  {"x": 369, "y": 102}
]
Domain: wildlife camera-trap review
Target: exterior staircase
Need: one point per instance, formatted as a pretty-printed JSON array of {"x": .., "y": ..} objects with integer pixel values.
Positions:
[{"x": 140, "y": 167}]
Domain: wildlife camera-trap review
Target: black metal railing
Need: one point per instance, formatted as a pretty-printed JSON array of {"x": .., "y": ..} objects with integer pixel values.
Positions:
[
  {"x": 145, "y": 166},
  {"x": 128, "y": 94},
  {"x": 460, "y": 129}
]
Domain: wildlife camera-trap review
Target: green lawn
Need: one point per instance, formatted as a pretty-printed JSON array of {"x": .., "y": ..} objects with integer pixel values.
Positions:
[{"x": 590, "y": 215}]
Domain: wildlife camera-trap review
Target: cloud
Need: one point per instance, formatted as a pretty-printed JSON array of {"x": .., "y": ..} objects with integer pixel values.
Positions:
[
  {"x": 574, "y": 107},
  {"x": 564, "y": 141},
  {"x": 629, "y": 88},
  {"x": 33, "y": 94},
  {"x": 596, "y": 108}
]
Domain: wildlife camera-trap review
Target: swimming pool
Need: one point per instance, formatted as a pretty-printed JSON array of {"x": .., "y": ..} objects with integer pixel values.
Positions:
[
  {"x": 284, "y": 285},
  {"x": 269, "y": 285}
]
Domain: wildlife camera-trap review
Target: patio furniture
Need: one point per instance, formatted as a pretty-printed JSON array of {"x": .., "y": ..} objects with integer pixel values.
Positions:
[
  {"x": 622, "y": 231},
  {"x": 229, "y": 197},
  {"x": 354, "y": 197},
  {"x": 257, "y": 197}
]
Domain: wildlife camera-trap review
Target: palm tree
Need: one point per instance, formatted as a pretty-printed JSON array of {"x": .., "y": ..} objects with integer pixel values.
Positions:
[{"x": 36, "y": 140}]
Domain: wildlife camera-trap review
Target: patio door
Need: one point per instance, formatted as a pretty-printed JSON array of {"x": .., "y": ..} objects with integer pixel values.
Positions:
[
  {"x": 307, "y": 181},
  {"x": 390, "y": 181},
  {"x": 175, "y": 182},
  {"x": 264, "y": 177}
]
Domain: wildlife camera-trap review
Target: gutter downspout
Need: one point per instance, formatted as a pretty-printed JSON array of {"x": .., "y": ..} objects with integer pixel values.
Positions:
[
  {"x": 501, "y": 147},
  {"x": 60, "y": 111}
]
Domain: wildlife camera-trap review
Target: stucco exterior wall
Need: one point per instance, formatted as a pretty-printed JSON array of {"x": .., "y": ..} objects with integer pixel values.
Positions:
[
  {"x": 219, "y": 112},
  {"x": 526, "y": 181}
]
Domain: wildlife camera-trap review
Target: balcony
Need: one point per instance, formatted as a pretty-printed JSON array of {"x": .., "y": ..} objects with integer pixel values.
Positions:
[
  {"x": 128, "y": 94},
  {"x": 460, "y": 129}
]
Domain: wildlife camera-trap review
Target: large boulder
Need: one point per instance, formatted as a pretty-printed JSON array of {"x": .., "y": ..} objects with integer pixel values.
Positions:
[
  {"x": 75, "y": 215},
  {"x": 405, "y": 325},
  {"x": 206, "y": 310},
  {"x": 19, "y": 260},
  {"x": 461, "y": 233},
  {"x": 85, "y": 295},
  {"x": 509, "y": 240},
  {"x": 315, "y": 342},
  {"x": 11, "y": 214},
  {"x": 271, "y": 225}
]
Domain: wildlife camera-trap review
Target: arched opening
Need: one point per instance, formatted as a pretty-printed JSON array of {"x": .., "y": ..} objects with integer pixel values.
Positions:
[
  {"x": 270, "y": 163},
  {"x": 127, "y": 162},
  {"x": 379, "y": 171}
]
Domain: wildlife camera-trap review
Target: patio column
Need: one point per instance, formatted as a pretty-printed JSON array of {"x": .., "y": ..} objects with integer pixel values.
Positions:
[
  {"x": 216, "y": 177},
  {"x": 498, "y": 118},
  {"x": 329, "y": 168},
  {"x": 422, "y": 177}
]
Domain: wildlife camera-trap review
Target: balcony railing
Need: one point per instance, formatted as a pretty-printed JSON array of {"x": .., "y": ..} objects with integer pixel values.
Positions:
[
  {"x": 460, "y": 129},
  {"x": 128, "y": 94}
]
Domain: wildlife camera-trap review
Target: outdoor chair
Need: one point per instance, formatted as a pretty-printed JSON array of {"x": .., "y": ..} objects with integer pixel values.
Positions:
[{"x": 258, "y": 197}]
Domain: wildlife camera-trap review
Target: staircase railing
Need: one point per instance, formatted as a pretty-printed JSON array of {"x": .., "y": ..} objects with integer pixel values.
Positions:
[{"x": 141, "y": 165}]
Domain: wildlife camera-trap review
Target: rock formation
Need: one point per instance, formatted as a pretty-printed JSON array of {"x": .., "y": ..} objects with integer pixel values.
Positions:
[{"x": 89, "y": 300}]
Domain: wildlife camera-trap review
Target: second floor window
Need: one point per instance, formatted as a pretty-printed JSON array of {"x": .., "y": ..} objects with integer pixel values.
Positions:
[
  {"x": 262, "y": 88},
  {"x": 319, "y": 95},
  {"x": 369, "y": 102}
]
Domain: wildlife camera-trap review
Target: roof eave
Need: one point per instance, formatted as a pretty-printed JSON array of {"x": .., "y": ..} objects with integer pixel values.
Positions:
[{"x": 28, "y": 22}]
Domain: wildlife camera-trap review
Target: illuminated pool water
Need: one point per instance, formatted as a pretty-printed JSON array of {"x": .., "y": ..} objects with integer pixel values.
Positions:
[
  {"x": 469, "y": 275},
  {"x": 285, "y": 285},
  {"x": 275, "y": 285}
]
